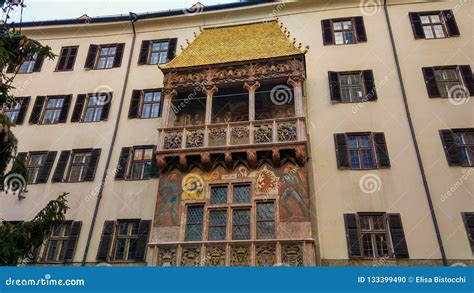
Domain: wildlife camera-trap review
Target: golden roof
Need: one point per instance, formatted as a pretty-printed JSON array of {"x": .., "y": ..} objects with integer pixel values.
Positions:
[{"x": 235, "y": 43}]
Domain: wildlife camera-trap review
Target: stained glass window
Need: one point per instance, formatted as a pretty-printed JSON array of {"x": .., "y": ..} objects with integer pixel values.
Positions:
[
  {"x": 217, "y": 225},
  {"x": 266, "y": 220},
  {"x": 219, "y": 195},
  {"x": 241, "y": 224},
  {"x": 194, "y": 223},
  {"x": 242, "y": 193}
]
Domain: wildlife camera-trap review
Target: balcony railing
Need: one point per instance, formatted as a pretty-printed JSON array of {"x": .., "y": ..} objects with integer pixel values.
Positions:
[{"x": 233, "y": 134}]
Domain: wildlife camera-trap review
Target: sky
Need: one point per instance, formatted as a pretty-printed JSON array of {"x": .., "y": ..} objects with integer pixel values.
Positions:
[{"x": 37, "y": 10}]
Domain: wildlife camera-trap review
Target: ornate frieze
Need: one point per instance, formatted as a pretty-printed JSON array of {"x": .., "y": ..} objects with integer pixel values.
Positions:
[
  {"x": 292, "y": 254},
  {"x": 215, "y": 256},
  {"x": 265, "y": 255},
  {"x": 166, "y": 256},
  {"x": 287, "y": 132},
  {"x": 195, "y": 138}
]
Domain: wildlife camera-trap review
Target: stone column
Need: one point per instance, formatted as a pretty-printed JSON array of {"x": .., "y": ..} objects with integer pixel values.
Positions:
[
  {"x": 169, "y": 94},
  {"x": 297, "y": 84},
  {"x": 209, "y": 91},
  {"x": 251, "y": 86}
]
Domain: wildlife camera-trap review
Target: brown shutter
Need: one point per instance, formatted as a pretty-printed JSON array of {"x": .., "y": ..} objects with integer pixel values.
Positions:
[
  {"x": 369, "y": 85},
  {"x": 352, "y": 235},
  {"x": 334, "y": 87},
  {"x": 134, "y": 104},
  {"x": 62, "y": 59},
  {"x": 143, "y": 57},
  {"x": 360, "y": 29},
  {"x": 25, "y": 101},
  {"x": 38, "y": 64},
  {"x": 44, "y": 172},
  {"x": 469, "y": 224},
  {"x": 72, "y": 58},
  {"x": 341, "y": 151},
  {"x": 91, "y": 168},
  {"x": 77, "y": 112},
  {"x": 119, "y": 55},
  {"x": 37, "y": 109},
  {"x": 327, "y": 32},
  {"x": 450, "y": 148},
  {"x": 106, "y": 109},
  {"x": 72, "y": 240},
  {"x": 416, "y": 25},
  {"x": 398, "y": 236},
  {"x": 451, "y": 24},
  {"x": 171, "y": 49},
  {"x": 61, "y": 166},
  {"x": 91, "y": 54},
  {"x": 106, "y": 240},
  {"x": 155, "y": 171},
  {"x": 430, "y": 81},
  {"x": 466, "y": 73},
  {"x": 65, "y": 109},
  {"x": 122, "y": 164},
  {"x": 143, "y": 233},
  {"x": 381, "y": 150}
]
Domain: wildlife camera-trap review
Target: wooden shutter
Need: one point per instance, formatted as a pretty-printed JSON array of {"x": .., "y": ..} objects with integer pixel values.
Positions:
[
  {"x": 334, "y": 87},
  {"x": 38, "y": 64},
  {"x": 77, "y": 112},
  {"x": 37, "y": 109},
  {"x": 360, "y": 29},
  {"x": 94, "y": 160},
  {"x": 122, "y": 163},
  {"x": 62, "y": 59},
  {"x": 72, "y": 241},
  {"x": 383, "y": 160},
  {"x": 25, "y": 101},
  {"x": 430, "y": 81},
  {"x": 106, "y": 240},
  {"x": 65, "y": 109},
  {"x": 143, "y": 233},
  {"x": 155, "y": 171},
  {"x": 171, "y": 49},
  {"x": 451, "y": 24},
  {"x": 134, "y": 104},
  {"x": 106, "y": 109},
  {"x": 143, "y": 57},
  {"x": 352, "y": 235},
  {"x": 469, "y": 224},
  {"x": 119, "y": 55},
  {"x": 72, "y": 58},
  {"x": 418, "y": 31},
  {"x": 44, "y": 172},
  {"x": 61, "y": 166},
  {"x": 398, "y": 236},
  {"x": 450, "y": 147},
  {"x": 466, "y": 73},
  {"x": 91, "y": 55},
  {"x": 327, "y": 32},
  {"x": 369, "y": 85},
  {"x": 341, "y": 151}
]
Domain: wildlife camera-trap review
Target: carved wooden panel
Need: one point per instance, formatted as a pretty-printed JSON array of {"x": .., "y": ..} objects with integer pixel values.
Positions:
[
  {"x": 265, "y": 255},
  {"x": 166, "y": 256},
  {"x": 191, "y": 256},
  {"x": 215, "y": 256},
  {"x": 292, "y": 254},
  {"x": 240, "y": 256}
]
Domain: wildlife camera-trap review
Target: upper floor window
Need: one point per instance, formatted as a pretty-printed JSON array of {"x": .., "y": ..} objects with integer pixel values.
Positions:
[
  {"x": 79, "y": 164},
  {"x": 361, "y": 152},
  {"x": 16, "y": 111},
  {"x": 145, "y": 104},
  {"x": 61, "y": 243},
  {"x": 13, "y": 111},
  {"x": 449, "y": 81},
  {"x": 29, "y": 64},
  {"x": 39, "y": 165},
  {"x": 92, "y": 107},
  {"x": 137, "y": 163},
  {"x": 352, "y": 87},
  {"x": 157, "y": 51},
  {"x": 53, "y": 110},
  {"x": 274, "y": 100},
  {"x": 344, "y": 31},
  {"x": 67, "y": 58},
  {"x": 434, "y": 25},
  {"x": 189, "y": 108},
  {"x": 82, "y": 165},
  {"x": 104, "y": 56},
  {"x": 459, "y": 146},
  {"x": 126, "y": 240},
  {"x": 373, "y": 234},
  {"x": 50, "y": 110}
]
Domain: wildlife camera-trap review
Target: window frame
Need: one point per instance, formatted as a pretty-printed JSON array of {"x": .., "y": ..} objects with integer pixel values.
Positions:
[
  {"x": 142, "y": 103},
  {"x": 131, "y": 161},
  {"x": 359, "y": 149},
  {"x": 460, "y": 79},
  {"x": 68, "y": 56},
  {"x": 37, "y": 167},
  {"x": 386, "y": 232},
  {"x": 7, "y": 110},
  {"x": 442, "y": 22},
  {"x": 361, "y": 85},
  {"x": 464, "y": 146},
  {"x": 84, "y": 166},
  {"x": 62, "y": 239},
  {"x": 96, "y": 106},
  {"x": 31, "y": 61},
  {"x": 46, "y": 108},
  {"x": 151, "y": 52},
  {"x": 333, "y": 31},
  {"x": 128, "y": 239},
  {"x": 98, "y": 56}
]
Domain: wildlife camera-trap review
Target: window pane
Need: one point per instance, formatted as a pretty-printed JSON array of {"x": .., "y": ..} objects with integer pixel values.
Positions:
[
  {"x": 137, "y": 154},
  {"x": 136, "y": 171},
  {"x": 242, "y": 193},
  {"x": 266, "y": 230},
  {"x": 349, "y": 37},
  {"x": 439, "y": 32},
  {"x": 53, "y": 246},
  {"x": 425, "y": 19},
  {"x": 338, "y": 38},
  {"x": 217, "y": 225},
  {"x": 146, "y": 111},
  {"x": 381, "y": 243},
  {"x": 347, "y": 25},
  {"x": 218, "y": 194},
  {"x": 428, "y": 32},
  {"x": 147, "y": 154},
  {"x": 123, "y": 228},
  {"x": 155, "y": 112},
  {"x": 241, "y": 224},
  {"x": 148, "y": 97},
  {"x": 194, "y": 223},
  {"x": 435, "y": 18},
  {"x": 265, "y": 211},
  {"x": 337, "y": 26},
  {"x": 367, "y": 245},
  {"x": 120, "y": 249},
  {"x": 163, "y": 56},
  {"x": 355, "y": 162},
  {"x": 154, "y": 58}
]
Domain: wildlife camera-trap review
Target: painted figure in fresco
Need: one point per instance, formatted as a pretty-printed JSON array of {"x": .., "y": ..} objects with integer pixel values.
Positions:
[
  {"x": 293, "y": 190},
  {"x": 169, "y": 190}
]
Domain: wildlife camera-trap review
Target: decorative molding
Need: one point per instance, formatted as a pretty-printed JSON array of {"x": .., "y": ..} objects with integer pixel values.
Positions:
[{"x": 251, "y": 86}]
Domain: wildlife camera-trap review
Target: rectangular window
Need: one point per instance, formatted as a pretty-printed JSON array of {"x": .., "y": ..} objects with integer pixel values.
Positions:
[
  {"x": 373, "y": 235},
  {"x": 265, "y": 220},
  {"x": 53, "y": 110},
  {"x": 242, "y": 193},
  {"x": 36, "y": 161},
  {"x": 29, "y": 64},
  {"x": 194, "y": 223},
  {"x": 13, "y": 111},
  {"x": 79, "y": 164},
  {"x": 126, "y": 241},
  {"x": 94, "y": 107},
  {"x": 218, "y": 195},
  {"x": 141, "y": 163},
  {"x": 448, "y": 81},
  {"x": 352, "y": 87},
  {"x": 67, "y": 58},
  {"x": 465, "y": 144},
  {"x": 57, "y": 243},
  {"x": 240, "y": 224},
  {"x": 433, "y": 26},
  {"x": 361, "y": 153},
  {"x": 151, "y": 104},
  {"x": 217, "y": 224},
  {"x": 158, "y": 52},
  {"x": 343, "y": 32},
  {"x": 106, "y": 57}
]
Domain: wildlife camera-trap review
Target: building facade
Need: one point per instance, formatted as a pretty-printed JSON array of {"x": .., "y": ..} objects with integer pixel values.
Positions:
[{"x": 275, "y": 133}]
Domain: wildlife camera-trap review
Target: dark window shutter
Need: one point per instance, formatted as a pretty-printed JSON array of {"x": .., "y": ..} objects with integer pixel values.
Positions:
[
  {"x": 65, "y": 109},
  {"x": 63, "y": 59},
  {"x": 25, "y": 101},
  {"x": 91, "y": 54},
  {"x": 135, "y": 102},
  {"x": 430, "y": 81},
  {"x": 341, "y": 151},
  {"x": 122, "y": 164},
  {"x": 44, "y": 172},
  {"x": 352, "y": 235},
  {"x": 38, "y": 64},
  {"x": 398, "y": 236},
  {"x": 37, "y": 109},
  {"x": 381, "y": 150},
  {"x": 468, "y": 79},
  {"x": 106, "y": 240},
  {"x": 94, "y": 160},
  {"x": 416, "y": 25},
  {"x": 450, "y": 148},
  {"x": 334, "y": 87},
  {"x": 72, "y": 58},
  {"x": 369, "y": 85},
  {"x": 327, "y": 32},
  {"x": 72, "y": 240},
  {"x": 61, "y": 166},
  {"x": 360, "y": 29},
  {"x": 77, "y": 112},
  {"x": 451, "y": 24},
  {"x": 155, "y": 171},
  {"x": 469, "y": 223},
  {"x": 106, "y": 109},
  {"x": 119, "y": 55},
  {"x": 143, "y": 233},
  {"x": 143, "y": 58},
  {"x": 171, "y": 49}
]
